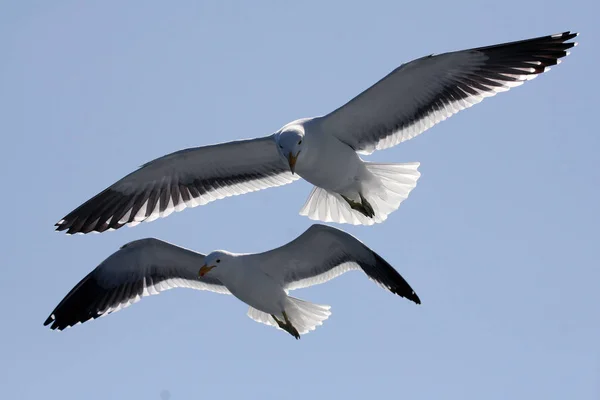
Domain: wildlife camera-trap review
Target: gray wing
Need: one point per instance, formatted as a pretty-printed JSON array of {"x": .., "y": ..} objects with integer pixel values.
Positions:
[
  {"x": 323, "y": 253},
  {"x": 426, "y": 91},
  {"x": 138, "y": 269},
  {"x": 187, "y": 178}
]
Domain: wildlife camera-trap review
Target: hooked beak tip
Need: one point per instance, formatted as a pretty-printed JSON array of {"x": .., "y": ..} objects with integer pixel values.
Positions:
[
  {"x": 292, "y": 161},
  {"x": 203, "y": 270}
]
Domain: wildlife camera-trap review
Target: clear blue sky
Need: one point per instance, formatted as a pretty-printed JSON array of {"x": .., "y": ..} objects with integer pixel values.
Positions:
[{"x": 499, "y": 239}]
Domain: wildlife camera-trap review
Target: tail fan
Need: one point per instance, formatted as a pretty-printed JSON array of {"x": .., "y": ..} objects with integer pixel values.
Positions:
[
  {"x": 391, "y": 186},
  {"x": 304, "y": 316}
]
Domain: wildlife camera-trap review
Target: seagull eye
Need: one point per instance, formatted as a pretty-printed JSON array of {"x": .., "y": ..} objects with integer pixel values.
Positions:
[
  {"x": 300, "y": 142},
  {"x": 218, "y": 261},
  {"x": 281, "y": 146}
]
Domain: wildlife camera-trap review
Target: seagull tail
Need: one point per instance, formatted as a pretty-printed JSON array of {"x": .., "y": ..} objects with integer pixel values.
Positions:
[
  {"x": 304, "y": 316},
  {"x": 389, "y": 187}
]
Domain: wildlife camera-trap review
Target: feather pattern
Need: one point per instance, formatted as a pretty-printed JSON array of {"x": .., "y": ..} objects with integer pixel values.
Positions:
[
  {"x": 323, "y": 253},
  {"x": 184, "y": 179},
  {"x": 420, "y": 94},
  {"x": 141, "y": 268}
]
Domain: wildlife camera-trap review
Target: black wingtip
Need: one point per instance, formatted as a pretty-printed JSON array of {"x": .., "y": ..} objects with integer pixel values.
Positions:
[
  {"x": 55, "y": 326},
  {"x": 401, "y": 290},
  {"x": 49, "y": 320},
  {"x": 565, "y": 36},
  {"x": 414, "y": 298},
  {"x": 544, "y": 50},
  {"x": 94, "y": 215},
  {"x": 78, "y": 306},
  {"x": 383, "y": 273}
]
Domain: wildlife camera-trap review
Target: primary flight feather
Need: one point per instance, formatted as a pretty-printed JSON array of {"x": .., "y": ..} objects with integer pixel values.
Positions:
[
  {"x": 262, "y": 280},
  {"x": 325, "y": 150}
]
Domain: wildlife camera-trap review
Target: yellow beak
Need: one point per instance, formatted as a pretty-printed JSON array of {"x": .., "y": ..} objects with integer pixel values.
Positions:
[
  {"x": 292, "y": 160},
  {"x": 204, "y": 270}
]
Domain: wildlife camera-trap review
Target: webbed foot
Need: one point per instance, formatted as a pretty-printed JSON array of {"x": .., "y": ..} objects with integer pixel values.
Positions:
[
  {"x": 287, "y": 326},
  {"x": 363, "y": 207}
]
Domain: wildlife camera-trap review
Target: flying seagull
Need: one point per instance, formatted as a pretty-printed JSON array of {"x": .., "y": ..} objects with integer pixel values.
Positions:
[
  {"x": 261, "y": 280},
  {"x": 325, "y": 150}
]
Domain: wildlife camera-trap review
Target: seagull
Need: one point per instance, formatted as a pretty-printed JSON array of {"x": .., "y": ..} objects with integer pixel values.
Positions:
[
  {"x": 325, "y": 150},
  {"x": 261, "y": 280}
]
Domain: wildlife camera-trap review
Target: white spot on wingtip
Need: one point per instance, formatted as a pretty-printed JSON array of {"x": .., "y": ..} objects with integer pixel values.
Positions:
[
  {"x": 62, "y": 221},
  {"x": 559, "y": 60}
]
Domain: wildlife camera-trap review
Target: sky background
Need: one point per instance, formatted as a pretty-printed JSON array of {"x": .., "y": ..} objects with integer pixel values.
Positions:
[{"x": 499, "y": 239}]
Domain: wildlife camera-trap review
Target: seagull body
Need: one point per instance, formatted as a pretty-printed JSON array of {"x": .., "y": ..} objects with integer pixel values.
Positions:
[
  {"x": 325, "y": 150},
  {"x": 325, "y": 161},
  {"x": 243, "y": 276},
  {"x": 262, "y": 280}
]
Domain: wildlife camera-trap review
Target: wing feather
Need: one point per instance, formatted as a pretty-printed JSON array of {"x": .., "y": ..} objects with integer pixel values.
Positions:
[
  {"x": 419, "y": 94},
  {"x": 323, "y": 253},
  {"x": 184, "y": 179},
  {"x": 138, "y": 269}
]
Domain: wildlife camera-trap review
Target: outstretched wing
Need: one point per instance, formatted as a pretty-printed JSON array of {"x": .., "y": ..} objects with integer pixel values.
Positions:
[
  {"x": 423, "y": 92},
  {"x": 187, "y": 178},
  {"x": 323, "y": 253},
  {"x": 138, "y": 269}
]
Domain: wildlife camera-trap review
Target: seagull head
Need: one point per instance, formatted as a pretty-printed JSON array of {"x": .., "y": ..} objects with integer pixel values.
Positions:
[
  {"x": 215, "y": 259},
  {"x": 289, "y": 143}
]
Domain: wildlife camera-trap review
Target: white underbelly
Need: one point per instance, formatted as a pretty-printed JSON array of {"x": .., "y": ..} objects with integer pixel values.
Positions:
[
  {"x": 334, "y": 166},
  {"x": 259, "y": 291}
]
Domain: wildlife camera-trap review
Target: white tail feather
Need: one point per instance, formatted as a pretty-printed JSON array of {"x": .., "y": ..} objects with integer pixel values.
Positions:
[
  {"x": 304, "y": 316},
  {"x": 392, "y": 185}
]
